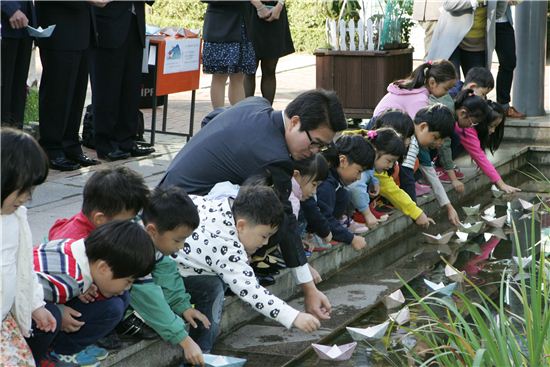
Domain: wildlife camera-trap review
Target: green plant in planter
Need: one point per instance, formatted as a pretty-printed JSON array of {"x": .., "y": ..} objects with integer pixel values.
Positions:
[
  {"x": 397, "y": 24},
  {"x": 333, "y": 8}
]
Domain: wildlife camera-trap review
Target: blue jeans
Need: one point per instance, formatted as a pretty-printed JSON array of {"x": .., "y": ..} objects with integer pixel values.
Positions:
[
  {"x": 207, "y": 294},
  {"x": 100, "y": 319}
]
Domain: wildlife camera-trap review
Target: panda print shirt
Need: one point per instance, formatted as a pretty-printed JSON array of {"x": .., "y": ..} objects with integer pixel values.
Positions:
[{"x": 214, "y": 249}]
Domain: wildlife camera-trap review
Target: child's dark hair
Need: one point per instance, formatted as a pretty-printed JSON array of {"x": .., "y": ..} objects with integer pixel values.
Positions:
[
  {"x": 492, "y": 141},
  {"x": 125, "y": 246},
  {"x": 24, "y": 163},
  {"x": 113, "y": 190},
  {"x": 396, "y": 119},
  {"x": 439, "y": 118},
  {"x": 481, "y": 76},
  {"x": 356, "y": 149},
  {"x": 318, "y": 108},
  {"x": 315, "y": 167},
  {"x": 441, "y": 70},
  {"x": 170, "y": 208},
  {"x": 259, "y": 204},
  {"x": 388, "y": 141},
  {"x": 476, "y": 106}
]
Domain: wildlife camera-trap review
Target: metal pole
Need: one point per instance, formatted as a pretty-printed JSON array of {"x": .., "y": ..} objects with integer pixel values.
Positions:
[{"x": 530, "y": 27}]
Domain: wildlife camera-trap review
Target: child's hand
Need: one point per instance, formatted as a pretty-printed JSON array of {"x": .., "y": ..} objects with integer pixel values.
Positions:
[
  {"x": 458, "y": 186},
  {"x": 424, "y": 221},
  {"x": 190, "y": 315},
  {"x": 507, "y": 188},
  {"x": 306, "y": 322},
  {"x": 328, "y": 238},
  {"x": 192, "y": 352},
  {"x": 371, "y": 220},
  {"x": 453, "y": 215},
  {"x": 374, "y": 190},
  {"x": 358, "y": 243},
  {"x": 315, "y": 274},
  {"x": 44, "y": 319},
  {"x": 68, "y": 322},
  {"x": 90, "y": 294}
]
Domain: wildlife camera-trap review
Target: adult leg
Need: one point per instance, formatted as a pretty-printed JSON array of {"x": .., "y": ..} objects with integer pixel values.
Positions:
[
  {"x": 269, "y": 80},
  {"x": 207, "y": 294},
  {"x": 100, "y": 318},
  {"x": 19, "y": 88},
  {"x": 217, "y": 90},
  {"x": 455, "y": 59},
  {"x": 470, "y": 59},
  {"x": 506, "y": 51},
  {"x": 429, "y": 26},
  {"x": 40, "y": 341},
  {"x": 236, "y": 88},
  {"x": 250, "y": 82},
  {"x": 8, "y": 64}
]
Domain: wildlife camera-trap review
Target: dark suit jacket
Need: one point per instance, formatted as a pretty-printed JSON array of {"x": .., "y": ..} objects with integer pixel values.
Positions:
[
  {"x": 74, "y": 26},
  {"x": 223, "y": 19},
  {"x": 8, "y": 9},
  {"x": 114, "y": 20}
]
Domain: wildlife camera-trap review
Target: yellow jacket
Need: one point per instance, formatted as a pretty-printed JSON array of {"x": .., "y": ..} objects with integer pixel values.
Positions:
[{"x": 397, "y": 197}]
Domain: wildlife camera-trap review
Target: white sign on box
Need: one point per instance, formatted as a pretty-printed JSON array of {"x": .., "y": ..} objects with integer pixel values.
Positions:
[{"x": 181, "y": 55}]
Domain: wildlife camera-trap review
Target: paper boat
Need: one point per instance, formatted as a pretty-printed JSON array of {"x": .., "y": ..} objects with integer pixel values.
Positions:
[
  {"x": 212, "y": 360},
  {"x": 439, "y": 239},
  {"x": 453, "y": 274},
  {"x": 39, "y": 32},
  {"x": 462, "y": 236},
  {"x": 525, "y": 261},
  {"x": 441, "y": 288},
  {"x": 494, "y": 222},
  {"x": 526, "y": 205},
  {"x": 490, "y": 211},
  {"x": 496, "y": 192},
  {"x": 402, "y": 316},
  {"x": 470, "y": 227},
  {"x": 471, "y": 210},
  {"x": 371, "y": 333},
  {"x": 394, "y": 300},
  {"x": 335, "y": 352}
]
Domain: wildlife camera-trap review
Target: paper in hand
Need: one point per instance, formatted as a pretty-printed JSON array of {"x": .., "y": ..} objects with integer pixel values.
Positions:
[{"x": 39, "y": 32}]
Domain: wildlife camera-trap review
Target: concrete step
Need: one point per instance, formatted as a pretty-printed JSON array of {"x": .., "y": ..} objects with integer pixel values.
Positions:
[{"x": 532, "y": 129}]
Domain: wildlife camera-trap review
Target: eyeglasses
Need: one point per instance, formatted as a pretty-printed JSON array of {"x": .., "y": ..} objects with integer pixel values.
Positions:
[{"x": 321, "y": 146}]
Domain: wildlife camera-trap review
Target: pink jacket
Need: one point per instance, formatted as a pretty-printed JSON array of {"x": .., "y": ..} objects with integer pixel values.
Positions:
[
  {"x": 409, "y": 101},
  {"x": 470, "y": 142},
  {"x": 295, "y": 197}
]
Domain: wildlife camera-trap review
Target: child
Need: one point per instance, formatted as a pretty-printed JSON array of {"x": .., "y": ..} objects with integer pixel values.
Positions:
[
  {"x": 215, "y": 257},
  {"x": 479, "y": 79},
  {"x": 160, "y": 298},
  {"x": 24, "y": 166},
  {"x": 476, "y": 138},
  {"x": 111, "y": 257},
  {"x": 350, "y": 156},
  {"x": 411, "y": 94},
  {"x": 110, "y": 194}
]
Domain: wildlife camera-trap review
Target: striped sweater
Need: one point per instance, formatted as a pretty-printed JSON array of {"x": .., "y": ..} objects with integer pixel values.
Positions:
[{"x": 63, "y": 269}]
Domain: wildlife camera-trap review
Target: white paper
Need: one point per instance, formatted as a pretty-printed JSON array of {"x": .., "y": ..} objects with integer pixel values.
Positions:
[
  {"x": 152, "y": 30},
  {"x": 181, "y": 55},
  {"x": 39, "y": 32},
  {"x": 334, "y": 351},
  {"x": 152, "y": 55},
  {"x": 219, "y": 361}
]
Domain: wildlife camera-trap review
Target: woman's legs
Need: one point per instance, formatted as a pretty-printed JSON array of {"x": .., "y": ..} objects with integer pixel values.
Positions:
[
  {"x": 250, "y": 83},
  {"x": 217, "y": 90},
  {"x": 269, "y": 81},
  {"x": 236, "y": 88}
]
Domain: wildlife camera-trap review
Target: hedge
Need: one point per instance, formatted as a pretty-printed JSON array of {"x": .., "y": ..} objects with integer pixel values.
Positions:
[{"x": 306, "y": 18}]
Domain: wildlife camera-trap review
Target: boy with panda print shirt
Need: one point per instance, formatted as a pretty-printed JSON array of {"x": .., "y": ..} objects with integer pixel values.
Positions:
[{"x": 215, "y": 256}]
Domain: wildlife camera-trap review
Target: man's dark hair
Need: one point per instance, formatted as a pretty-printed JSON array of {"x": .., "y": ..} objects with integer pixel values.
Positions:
[
  {"x": 439, "y": 118},
  {"x": 356, "y": 149},
  {"x": 481, "y": 76},
  {"x": 24, "y": 163},
  {"x": 113, "y": 190},
  {"x": 396, "y": 119},
  {"x": 317, "y": 108},
  {"x": 259, "y": 204},
  {"x": 125, "y": 246},
  {"x": 169, "y": 208}
]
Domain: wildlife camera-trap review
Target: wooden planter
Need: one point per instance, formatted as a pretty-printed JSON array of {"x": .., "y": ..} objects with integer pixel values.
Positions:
[{"x": 360, "y": 78}]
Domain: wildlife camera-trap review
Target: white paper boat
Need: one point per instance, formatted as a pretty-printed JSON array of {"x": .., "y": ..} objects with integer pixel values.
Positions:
[
  {"x": 439, "y": 239},
  {"x": 371, "y": 333},
  {"x": 335, "y": 352},
  {"x": 462, "y": 236},
  {"x": 394, "y": 300},
  {"x": 441, "y": 288},
  {"x": 453, "y": 274},
  {"x": 471, "y": 210},
  {"x": 494, "y": 222},
  {"x": 525, "y": 261},
  {"x": 402, "y": 316},
  {"x": 39, "y": 32},
  {"x": 496, "y": 192},
  {"x": 490, "y": 211},
  {"x": 526, "y": 205},
  {"x": 212, "y": 360},
  {"x": 151, "y": 30},
  {"x": 470, "y": 227}
]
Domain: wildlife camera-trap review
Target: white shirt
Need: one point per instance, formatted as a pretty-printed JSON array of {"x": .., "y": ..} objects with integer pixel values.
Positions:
[{"x": 10, "y": 246}]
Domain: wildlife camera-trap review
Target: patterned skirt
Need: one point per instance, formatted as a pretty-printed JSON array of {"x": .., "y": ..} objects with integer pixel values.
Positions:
[
  {"x": 14, "y": 350},
  {"x": 230, "y": 57}
]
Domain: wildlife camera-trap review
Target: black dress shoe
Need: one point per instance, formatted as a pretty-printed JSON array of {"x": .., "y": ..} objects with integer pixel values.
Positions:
[
  {"x": 265, "y": 281},
  {"x": 133, "y": 326},
  {"x": 115, "y": 155},
  {"x": 63, "y": 164},
  {"x": 83, "y": 160},
  {"x": 140, "y": 151}
]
